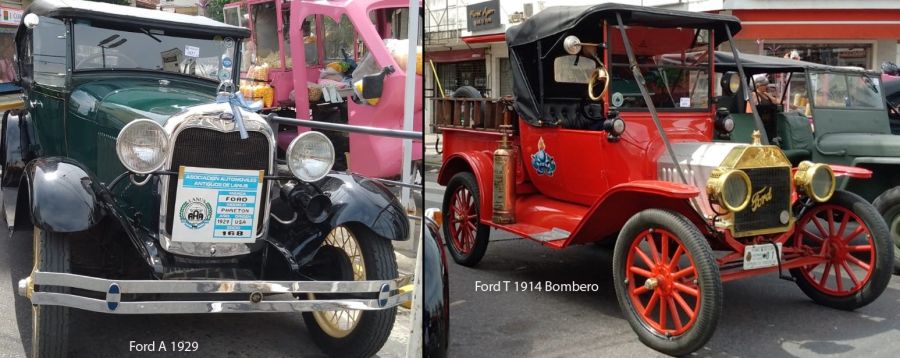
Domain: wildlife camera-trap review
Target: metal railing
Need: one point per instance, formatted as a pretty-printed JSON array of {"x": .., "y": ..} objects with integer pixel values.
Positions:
[{"x": 275, "y": 121}]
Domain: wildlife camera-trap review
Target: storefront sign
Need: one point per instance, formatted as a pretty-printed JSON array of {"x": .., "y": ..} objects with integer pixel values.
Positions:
[
  {"x": 483, "y": 16},
  {"x": 10, "y": 16}
]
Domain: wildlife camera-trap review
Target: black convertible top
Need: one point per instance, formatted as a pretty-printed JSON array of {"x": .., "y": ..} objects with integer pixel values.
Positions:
[
  {"x": 541, "y": 35},
  {"x": 558, "y": 19},
  {"x": 133, "y": 15},
  {"x": 754, "y": 64}
]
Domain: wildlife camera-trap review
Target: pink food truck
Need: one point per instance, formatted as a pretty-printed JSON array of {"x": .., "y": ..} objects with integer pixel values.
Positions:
[{"x": 306, "y": 60}]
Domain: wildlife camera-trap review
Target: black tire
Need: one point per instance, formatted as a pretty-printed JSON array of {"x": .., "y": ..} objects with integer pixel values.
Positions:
[
  {"x": 482, "y": 232},
  {"x": 884, "y": 251},
  {"x": 707, "y": 281},
  {"x": 888, "y": 205},
  {"x": 467, "y": 92},
  {"x": 50, "y": 324},
  {"x": 373, "y": 327}
]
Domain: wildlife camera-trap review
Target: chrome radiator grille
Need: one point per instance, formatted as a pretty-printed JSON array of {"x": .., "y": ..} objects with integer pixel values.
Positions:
[
  {"x": 767, "y": 213},
  {"x": 207, "y": 148}
]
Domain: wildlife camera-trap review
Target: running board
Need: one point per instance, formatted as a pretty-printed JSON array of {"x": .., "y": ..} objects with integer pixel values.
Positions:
[{"x": 551, "y": 237}]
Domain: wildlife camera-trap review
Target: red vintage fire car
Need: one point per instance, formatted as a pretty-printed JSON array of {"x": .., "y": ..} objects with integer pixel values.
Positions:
[{"x": 611, "y": 139}]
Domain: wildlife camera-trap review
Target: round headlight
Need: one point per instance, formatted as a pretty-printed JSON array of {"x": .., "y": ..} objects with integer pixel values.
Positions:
[
  {"x": 310, "y": 156},
  {"x": 815, "y": 180},
  {"x": 142, "y": 146},
  {"x": 730, "y": 189}
]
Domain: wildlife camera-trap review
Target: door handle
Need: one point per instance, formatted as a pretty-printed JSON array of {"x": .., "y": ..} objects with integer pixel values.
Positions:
[{"x": 36, "y": 103}]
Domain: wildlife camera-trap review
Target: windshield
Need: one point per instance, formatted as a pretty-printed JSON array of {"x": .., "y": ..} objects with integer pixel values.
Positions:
[
  {"x": 100, "y": 47},
  {"x": 674, "y": 62},
  {"x": 837, "y": 90}
]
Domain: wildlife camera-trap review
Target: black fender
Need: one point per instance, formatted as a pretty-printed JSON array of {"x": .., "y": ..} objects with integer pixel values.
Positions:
[
  {"x": 13, "y": 145},
  {"x": 435, "y": 293},
  {"x": 63, "y": 196},
  {"x": 357, "y": 199}
]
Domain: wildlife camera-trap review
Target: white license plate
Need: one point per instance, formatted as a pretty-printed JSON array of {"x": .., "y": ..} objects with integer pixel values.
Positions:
[
  {"x": 216, "y": 205},
  {"x": 760, "y": 256}
]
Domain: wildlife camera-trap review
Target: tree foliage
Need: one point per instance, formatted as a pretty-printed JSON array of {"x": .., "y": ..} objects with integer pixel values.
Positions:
[{"x": 214, "y": 10}]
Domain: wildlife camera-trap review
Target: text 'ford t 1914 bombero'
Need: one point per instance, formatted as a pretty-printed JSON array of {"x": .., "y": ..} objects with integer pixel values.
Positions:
[
  {"x": 152, "y": 191},
  {"x": 610, "y": 139}
]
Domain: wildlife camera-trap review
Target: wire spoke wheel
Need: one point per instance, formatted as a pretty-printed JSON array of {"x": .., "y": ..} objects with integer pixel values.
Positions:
[
  {"x": 662, "y": 282},
  {"x": 845, "y": 240},
  {"x": 342, "y": 322}
]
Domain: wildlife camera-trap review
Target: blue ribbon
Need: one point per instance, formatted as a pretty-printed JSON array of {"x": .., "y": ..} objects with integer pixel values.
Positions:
[{"x": 236, "y": 101}]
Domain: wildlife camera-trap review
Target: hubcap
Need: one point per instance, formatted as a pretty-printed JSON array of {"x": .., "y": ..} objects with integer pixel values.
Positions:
[
  {"x": 661, "y": 282},
  {"x": 339, "y": 324},
  {"x": 463, "y": 220},
  {"x": 840, "y": 236}
]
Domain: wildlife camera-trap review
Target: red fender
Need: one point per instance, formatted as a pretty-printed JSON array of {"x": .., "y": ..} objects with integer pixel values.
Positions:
[
  {"x": 479, "y": 163},
  {"x": 607, "y": 216},
  {"x": 852, "y": 172}
]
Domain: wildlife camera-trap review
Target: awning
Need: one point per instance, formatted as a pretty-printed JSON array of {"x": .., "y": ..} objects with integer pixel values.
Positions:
[
  {"x": 819, "y": 24},
  {"x": 455, "y": 55},
  {"x": 480, "y": 39}
]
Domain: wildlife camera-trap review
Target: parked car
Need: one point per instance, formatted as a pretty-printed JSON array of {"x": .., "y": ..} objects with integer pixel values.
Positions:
[
  {"x": 826, "y": 114},
  {"x": 612, "y": 139},
  {"x": 151, "y": 190},
  {"x": 436, "y": 290}
]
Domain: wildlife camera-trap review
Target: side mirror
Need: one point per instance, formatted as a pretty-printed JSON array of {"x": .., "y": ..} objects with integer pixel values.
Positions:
[{"x": 373, "y": 85}]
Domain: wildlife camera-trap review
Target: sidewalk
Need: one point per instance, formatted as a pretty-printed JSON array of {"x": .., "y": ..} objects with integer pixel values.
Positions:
[{"x": 432, "y": 157}]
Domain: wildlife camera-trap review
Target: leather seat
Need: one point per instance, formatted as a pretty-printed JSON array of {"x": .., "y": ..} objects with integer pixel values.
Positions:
[
  {"x": 797, "y": 139},
  {"x": 567, "y": 114}
]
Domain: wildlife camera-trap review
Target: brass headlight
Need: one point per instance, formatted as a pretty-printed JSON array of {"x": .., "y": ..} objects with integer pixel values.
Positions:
[
  {"x": 730, "y": 188},
  {"x": 815, "y": 180}
]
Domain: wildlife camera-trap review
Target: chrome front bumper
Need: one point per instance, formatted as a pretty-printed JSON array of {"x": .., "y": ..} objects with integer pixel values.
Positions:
[{"x": 389, "y": 294}]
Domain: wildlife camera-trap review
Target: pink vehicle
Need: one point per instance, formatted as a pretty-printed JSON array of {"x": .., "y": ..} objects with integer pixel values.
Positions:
[{"x": 311, "y": 47}]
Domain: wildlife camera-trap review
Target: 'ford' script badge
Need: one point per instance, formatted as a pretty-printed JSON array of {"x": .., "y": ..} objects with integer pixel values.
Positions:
[{"x": 760, "y": 198}]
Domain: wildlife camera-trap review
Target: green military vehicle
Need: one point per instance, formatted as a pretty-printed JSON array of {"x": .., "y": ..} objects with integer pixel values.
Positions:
[{"x": 825, "y": 114}]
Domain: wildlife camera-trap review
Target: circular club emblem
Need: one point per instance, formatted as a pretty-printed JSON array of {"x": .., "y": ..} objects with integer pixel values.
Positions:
[
  {"x": 226, "y": 62},
  {"x": 195, "y": 213},
  {"x": 228, "y": 42},
  {"x": 617, "y": 99}
]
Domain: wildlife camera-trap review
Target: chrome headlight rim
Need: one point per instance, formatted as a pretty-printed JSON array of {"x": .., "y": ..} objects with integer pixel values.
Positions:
[
  {"x": 804, "y": 180},
  {"x": 164, "y": 148},
  {"x": 717, "y": 184},
  {"x": 311, "y": 135}
]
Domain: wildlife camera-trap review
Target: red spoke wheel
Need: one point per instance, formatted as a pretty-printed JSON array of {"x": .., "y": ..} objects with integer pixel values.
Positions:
[
  {"x": 857, "y": 245},
  {"x": 467, "y": 237},
  {"x": 667, "y": 282}
]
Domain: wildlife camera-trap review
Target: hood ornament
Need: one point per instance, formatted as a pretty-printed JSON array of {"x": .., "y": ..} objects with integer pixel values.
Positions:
[{"x": 227, "y": 94}]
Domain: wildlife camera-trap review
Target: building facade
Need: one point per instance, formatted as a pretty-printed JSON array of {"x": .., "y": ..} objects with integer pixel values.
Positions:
[{"x": 465, "y": 39}]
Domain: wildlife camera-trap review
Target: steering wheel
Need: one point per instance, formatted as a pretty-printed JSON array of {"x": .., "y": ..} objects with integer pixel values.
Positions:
[
  {"x": 99, "y": 55},
  {"x": 599, "y": 74}
]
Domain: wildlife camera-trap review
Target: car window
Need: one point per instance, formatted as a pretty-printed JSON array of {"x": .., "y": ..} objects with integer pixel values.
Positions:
[
  {"x": 100, "y": 47},
  {"x": 7, "y": 51},
  {"x": 846, "y": 91},
  {"x": 339, "y": 38},
  {"x": 673, "y": 61},
  {"x": 48, "y": 56},
  {"x": 265, "y": 34}
]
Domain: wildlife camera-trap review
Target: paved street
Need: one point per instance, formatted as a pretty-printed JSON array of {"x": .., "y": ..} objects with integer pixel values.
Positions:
[
  {"x": 762, "y": 316},
  {"x": 101, "y": 335}
]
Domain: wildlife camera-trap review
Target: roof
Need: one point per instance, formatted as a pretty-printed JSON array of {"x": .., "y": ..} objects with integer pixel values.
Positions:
[
  {"x": 760, "y": 64},
  {"x": 555, "y": 20},
  {"x": 128, "y": 14}
]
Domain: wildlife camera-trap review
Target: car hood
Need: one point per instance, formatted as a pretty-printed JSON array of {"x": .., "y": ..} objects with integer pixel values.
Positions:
[{"x": 121, "y": 101}]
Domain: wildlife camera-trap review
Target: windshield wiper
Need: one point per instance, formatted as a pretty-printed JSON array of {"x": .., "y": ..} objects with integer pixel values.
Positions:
[{"x": 147, "y": 32}]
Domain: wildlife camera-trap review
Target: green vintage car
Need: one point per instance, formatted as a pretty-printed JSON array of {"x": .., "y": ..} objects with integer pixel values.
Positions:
[
  {"x": 825, "y": 114},
  {"x": 151, "y": 190}
]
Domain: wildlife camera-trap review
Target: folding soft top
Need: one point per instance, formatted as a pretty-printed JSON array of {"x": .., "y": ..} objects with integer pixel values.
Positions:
[{"x": 754, "y": 64}]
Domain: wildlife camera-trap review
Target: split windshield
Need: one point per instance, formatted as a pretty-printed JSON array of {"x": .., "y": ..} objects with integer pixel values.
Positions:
[
  {"x": 837, "y": 90},
  {"x": 674, "y": 62},
  {"x": 98, "y": 46}
]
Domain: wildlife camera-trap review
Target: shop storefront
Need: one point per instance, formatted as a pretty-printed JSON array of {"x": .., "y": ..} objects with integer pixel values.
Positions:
[{"x": 847, "y": 37}]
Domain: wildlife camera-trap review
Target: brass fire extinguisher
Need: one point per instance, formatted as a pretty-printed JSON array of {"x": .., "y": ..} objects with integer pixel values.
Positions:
[{"x": 504, "y": 180}]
